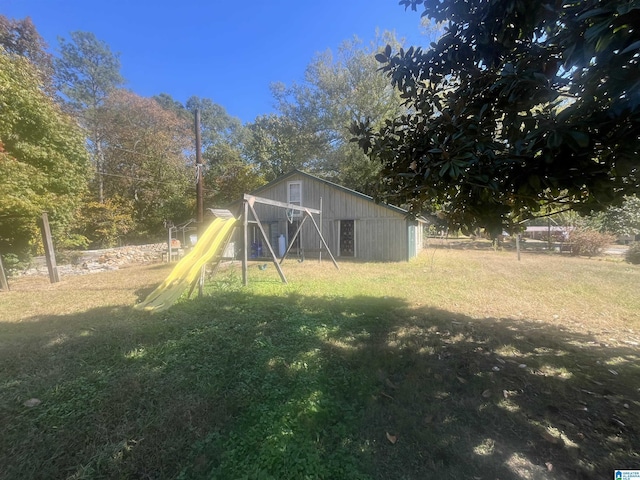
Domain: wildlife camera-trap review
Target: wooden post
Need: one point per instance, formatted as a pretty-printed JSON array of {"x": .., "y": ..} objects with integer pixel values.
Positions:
[
  {"x": 309, "y": 211},
  {"x": 4, "y": 285},
  {"x": 335, "y": 264},
  {"x": 518, "y": 245},
  {"x": 200, "y": 176},
  {"x": 245, "y": 244},
  {"x": 293, "y": 239},
  {"x": 320, "y": 221},
  {"x": 49, "y": 252},
  {"x": 203, "y": 271},
  {"x": 273, "y": 254}
]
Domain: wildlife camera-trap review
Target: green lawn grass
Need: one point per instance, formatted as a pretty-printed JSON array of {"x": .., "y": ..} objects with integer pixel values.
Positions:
[{"x": 459, "y": 364}]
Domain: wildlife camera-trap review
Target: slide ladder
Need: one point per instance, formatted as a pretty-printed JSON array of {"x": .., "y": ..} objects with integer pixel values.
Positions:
[{"x": 187, "y": 271}]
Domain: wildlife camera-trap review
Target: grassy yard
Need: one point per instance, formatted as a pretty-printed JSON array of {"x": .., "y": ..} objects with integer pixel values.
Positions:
[{"x": 460, "y": 364}]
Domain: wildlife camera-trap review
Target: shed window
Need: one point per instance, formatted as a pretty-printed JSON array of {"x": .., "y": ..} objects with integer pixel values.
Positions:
[{"x": 294, "y": 196}]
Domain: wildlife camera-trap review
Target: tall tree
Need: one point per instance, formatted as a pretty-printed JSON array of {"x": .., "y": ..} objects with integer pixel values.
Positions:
[
  {"x": 230, "y": 176},
  {"x": 217, "y": 126},
  {"x": 144, "y": 159},
  {"x": 518, "y": 106},
  {"x": 87, "y": 71},
  {"x": 20, "y": 37},
  {"x": 43, "y": 161},
  {"x": 277, "y": 144},
  {"x": 228, "y": 173},
  {"x": 623, "y": 219},
  {"x": 337, "y": 89},
  {"x": 169, "y": 103}
]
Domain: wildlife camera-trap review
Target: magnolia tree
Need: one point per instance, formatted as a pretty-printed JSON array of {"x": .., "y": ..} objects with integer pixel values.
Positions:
[{"x": 519, "y": 109}]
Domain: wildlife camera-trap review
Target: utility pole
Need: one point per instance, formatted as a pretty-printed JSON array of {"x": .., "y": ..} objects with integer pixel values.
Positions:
[{"x": 199, "y": 176}]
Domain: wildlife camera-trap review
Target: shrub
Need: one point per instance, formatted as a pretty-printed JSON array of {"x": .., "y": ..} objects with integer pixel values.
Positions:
[
  {"x": 68, "y": 257},
  {"x": 589, "y": 242},
  {"x": 103, "y": 223},
  {"x": 633, "y": 254},
  {"x": 13, "y": 263}
]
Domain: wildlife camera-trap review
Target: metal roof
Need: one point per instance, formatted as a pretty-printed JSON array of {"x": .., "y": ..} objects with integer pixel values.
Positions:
[{"x": 334, "y": 185}]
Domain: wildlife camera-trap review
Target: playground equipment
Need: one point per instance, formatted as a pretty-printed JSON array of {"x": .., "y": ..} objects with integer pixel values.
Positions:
[
  {"x": 188, "y": 269},
  {"x": 211, "y": 246},
  {"x": 248, "y": 207}
]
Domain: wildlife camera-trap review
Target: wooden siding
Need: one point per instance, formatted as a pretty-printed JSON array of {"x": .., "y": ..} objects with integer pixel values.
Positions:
[{"x": 380, "y": 232}]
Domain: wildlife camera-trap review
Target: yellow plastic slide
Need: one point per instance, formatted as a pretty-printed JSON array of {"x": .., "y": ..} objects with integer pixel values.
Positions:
[{"x": 188, "y": 269}]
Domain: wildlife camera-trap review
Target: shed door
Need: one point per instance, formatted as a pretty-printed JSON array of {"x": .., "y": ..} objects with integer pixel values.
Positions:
[
  {"x": 412, "y": 241},
  {"x": 347, "y": 245}
]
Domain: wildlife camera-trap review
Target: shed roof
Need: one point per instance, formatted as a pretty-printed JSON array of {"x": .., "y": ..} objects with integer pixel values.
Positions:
[{"x": 333, "y": 185}]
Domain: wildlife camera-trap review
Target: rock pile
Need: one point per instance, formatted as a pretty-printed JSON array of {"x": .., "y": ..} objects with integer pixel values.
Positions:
[{"x": 92, "y": 261}]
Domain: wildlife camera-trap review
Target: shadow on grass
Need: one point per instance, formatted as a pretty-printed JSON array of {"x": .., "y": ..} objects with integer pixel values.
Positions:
[{"x": 239, "y": 385}]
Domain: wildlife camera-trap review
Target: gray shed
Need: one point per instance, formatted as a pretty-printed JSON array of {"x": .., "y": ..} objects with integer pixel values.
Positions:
[{"x": 353, "y": 224}]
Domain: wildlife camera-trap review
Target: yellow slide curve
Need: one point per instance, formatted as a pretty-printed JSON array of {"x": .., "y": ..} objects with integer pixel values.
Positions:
[{"x": 188, "y": 269}]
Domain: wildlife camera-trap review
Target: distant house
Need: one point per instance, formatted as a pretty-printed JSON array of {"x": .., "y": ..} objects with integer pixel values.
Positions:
[
  {"x": 556, "y": 232},
  {"x": 353, "y": 224}
]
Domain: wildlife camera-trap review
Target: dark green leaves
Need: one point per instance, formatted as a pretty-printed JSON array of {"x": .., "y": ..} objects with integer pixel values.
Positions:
[{"x": 518, "y": 106}]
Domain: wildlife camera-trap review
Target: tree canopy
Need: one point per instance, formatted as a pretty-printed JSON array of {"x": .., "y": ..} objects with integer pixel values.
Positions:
[
  {"x": 43, "y": 161},
  {"x": 621, "y": 220},
  {"x": 144, "y": 160},
  {"x": 517, "y": 108},
  {"x": 86, "y": 72},
  {"x": 312, "y": 129},
  {"x": 20, "y": 37}
]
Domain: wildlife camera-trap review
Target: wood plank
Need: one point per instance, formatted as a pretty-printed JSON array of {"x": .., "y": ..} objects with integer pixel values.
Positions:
[
  {"x": 49, "y": 252},
  {"x": 324, "y": 243},
  {"x": 264, "y": 235},
  {"x": 4, "y": 285},
  {"x": 293, "y": 239},
  {"x": 275, "y": 203},
  {"x": 245, "y": 243}
]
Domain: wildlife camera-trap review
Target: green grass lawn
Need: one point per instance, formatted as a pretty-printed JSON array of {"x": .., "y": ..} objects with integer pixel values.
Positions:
[{"x": 459, "y": 364}]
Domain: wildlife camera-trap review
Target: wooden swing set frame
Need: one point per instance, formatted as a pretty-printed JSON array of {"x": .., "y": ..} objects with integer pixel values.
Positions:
[{"x": 248, "y": 206}]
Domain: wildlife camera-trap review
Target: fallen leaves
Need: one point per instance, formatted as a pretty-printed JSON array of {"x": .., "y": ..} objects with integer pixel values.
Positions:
[
  {"x": 385, "y": 395},
  {"x": 390, "y": 384},
  {"x": 550, "y": 438}
]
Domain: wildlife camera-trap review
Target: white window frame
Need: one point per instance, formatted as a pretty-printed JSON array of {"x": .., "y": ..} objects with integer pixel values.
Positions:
[{"x": 296, "y": 213}]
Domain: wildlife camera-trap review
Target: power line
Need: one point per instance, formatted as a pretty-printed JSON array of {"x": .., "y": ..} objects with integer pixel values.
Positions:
[
  {"x": 132, "y": 151},
  {"x": 142, "y": 179}
]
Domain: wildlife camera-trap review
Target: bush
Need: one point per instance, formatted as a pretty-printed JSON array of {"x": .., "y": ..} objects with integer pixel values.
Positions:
[
  {"x": 102, "y": 224},
  {"x": 589, "y": 242},
  {"x": 13, "y": 263},
  {"x": 68, "y": 257},
  {"x": 633, "y": 254}
]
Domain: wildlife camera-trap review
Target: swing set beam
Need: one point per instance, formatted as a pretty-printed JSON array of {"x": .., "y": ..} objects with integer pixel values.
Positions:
[{"x": 249, "y": 201}]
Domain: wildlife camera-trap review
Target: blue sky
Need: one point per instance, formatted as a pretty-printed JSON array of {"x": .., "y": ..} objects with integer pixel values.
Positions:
[{"x": 226, "y": 50}]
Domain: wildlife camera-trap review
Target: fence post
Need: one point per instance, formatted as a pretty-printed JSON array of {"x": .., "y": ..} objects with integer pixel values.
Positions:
[
  {"x": 4, "y": 285},
  {"x": 49, "y": 252}
]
